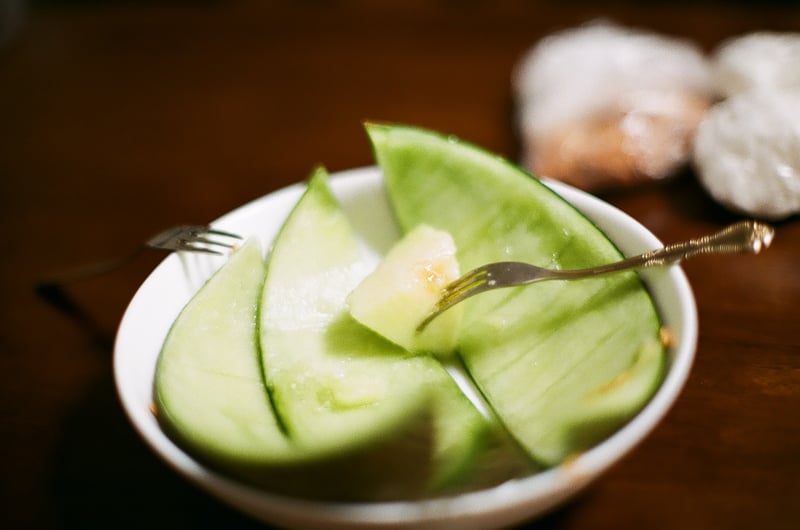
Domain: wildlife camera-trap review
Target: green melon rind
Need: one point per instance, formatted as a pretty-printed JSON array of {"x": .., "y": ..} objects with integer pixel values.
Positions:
[{"x": 533, "y": 351}]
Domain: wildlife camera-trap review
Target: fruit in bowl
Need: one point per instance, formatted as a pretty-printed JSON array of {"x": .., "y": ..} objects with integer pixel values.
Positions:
[{"x": 326, "y": 407}]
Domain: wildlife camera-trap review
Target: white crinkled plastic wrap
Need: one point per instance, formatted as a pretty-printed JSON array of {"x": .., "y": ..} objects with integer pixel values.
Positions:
[
  {"x": 747, "y": 152},
  {"x": 601, "y": 106},
  {"x": 762, "y": 60}
]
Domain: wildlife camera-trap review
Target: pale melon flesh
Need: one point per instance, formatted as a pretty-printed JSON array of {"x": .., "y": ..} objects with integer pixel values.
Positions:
[{"x": 395, "y": 298}]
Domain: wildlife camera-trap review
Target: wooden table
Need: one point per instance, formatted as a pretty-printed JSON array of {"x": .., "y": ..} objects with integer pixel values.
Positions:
[{"x": 118, "y": 120}]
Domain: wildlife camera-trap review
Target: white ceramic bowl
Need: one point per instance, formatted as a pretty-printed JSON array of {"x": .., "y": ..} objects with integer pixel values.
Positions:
[{"x": 158, "y": 301}]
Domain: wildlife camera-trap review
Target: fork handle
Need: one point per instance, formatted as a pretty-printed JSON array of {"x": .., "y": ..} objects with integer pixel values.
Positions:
[
  {"x": 742, "y": 237},
  {"x": 89, "y": 270}
]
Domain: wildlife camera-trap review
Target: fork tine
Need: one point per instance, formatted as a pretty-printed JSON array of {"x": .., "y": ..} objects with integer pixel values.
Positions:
[
  {"x": 189, "y": 246},
  {"x": 218, "y": 232},
  {"x": 193, "y": 238},
  {"x": 196, "y": 240},
  {"x": 164, "y": 237},
  {"x": 474, "y": 282},
  {"x": 465, "y": 281},
  {"x": 461, "y": 287},
  {"x": 208, "y": 241}
]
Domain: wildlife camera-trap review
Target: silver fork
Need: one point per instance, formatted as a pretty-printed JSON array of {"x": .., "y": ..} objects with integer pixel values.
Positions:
[
  {"x": 192, "y": 238},
  {"x": 744, "y": 236}
]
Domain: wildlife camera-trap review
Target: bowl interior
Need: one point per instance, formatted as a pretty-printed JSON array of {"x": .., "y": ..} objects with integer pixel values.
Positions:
[{"x": 161, "y": 297}]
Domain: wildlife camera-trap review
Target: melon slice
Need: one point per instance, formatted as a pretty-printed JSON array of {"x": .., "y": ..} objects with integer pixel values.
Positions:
[
  {"x": 338, "y": 388},
  {"x": 395, "y": 298},
  {"x": 540, "y": 354}
]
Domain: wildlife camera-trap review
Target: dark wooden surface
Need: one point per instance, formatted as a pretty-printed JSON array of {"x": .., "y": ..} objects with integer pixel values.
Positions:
[{"x": 121, "y": 118}]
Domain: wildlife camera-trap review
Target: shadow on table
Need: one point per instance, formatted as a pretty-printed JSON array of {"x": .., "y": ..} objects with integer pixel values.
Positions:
[{"x": 106, "y": 477}]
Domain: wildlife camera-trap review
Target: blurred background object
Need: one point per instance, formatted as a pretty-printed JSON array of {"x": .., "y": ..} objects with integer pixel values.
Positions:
[
  {"x": 747, "y": 151},
  {"x": 604, "y": 106},
  {"x": 11, "y": 15},
  {"x": 758, "y": 60}
]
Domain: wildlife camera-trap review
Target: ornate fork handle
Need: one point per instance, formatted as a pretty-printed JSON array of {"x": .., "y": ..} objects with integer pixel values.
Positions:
[{"x": 744, "y": 236}]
